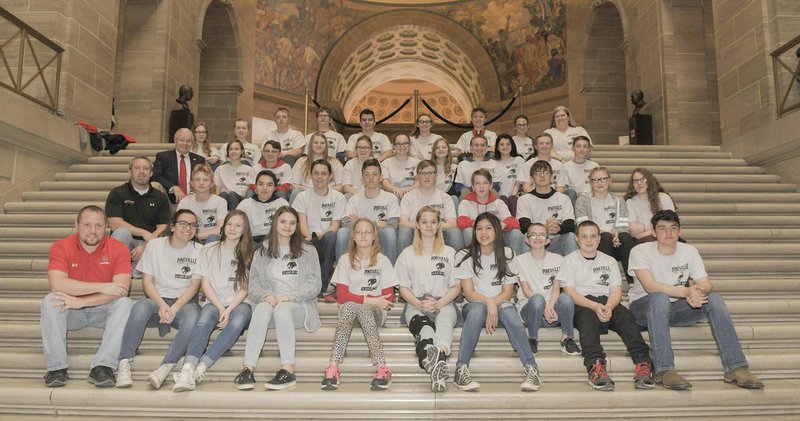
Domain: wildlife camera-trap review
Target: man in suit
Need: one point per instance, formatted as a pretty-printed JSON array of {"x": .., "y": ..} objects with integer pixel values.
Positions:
[{"x": 173, "y": 169}]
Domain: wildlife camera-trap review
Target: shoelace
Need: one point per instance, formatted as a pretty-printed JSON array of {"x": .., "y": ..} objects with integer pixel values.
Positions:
[
  {"x": 641, "y": 370},
  {"x": 331, "y": 372},
  {"x": 465, "y": 376},
  {"x": 382, "y": 373},
  {"x": 201, "y": 378},
  {"x": 599, "y": 371},
  {"x": 531, "y": 374}
]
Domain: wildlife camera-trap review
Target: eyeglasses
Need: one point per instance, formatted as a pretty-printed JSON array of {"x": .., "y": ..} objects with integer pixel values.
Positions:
[
  {"x": 521, "y": 125},
  {"x": 363, "y": 148},
  {"x": 396, "y": 145},
  {"x": 426, "y": 173},
  {"x": 537, "y": 236},
  {"x": 601, "y": 180},
  {"x": 184, "y": 224},
  {"x": 639, "y": 180}
]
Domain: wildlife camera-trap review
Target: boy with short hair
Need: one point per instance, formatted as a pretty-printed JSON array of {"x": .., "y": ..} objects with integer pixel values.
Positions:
[{"x": 578, "y": 168}]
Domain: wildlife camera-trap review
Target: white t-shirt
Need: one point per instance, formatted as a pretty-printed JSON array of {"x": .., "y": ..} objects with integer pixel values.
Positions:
[
  {"x": 559, "y": 175},
  {"x": 171, "y": 268},
  {"x": 675, "y": 270},
  {"x": 421, "y": 146},
  {"x": 472, "y": 209},
  {"x": 414, "y": 200},
  {"x": 524, "y": 146},
  {"x": 366, "y": 281},
  {"x": 604, "y": 212},
  {"x": 297, "y": 176},
  {"x": 540, "y": 210},
  {"x": 292, "y": 139},
  {"x": 400, "y": 173},
  {"x": 336, "y": 142},
  {"x": 352, "y": 174},
  {"x": 218, "y": 264},
  {"x": 379, "y": 208},
  {"x": 320, "y": 210},
  {"x": 282, "y": 172},
  {"x": 511, "y": 170},
  {"x": 577, "y": 175},
  {"x": 467, "y": 168},
  {"x": 260, "y": 214},
  {"x": 590, "y": 276},
  {"x": 208, "y": 213},
  {"x": 562, "y": 142},
  {"x": 228, "y": 178},
  {"x": 445, "y": 180},
  {"x": 380, "y": 143},
  {"x": 539, "y": 274},
  {"x": 427, "y": 274},
  {"x": 484, "y": 282},
  {"x": 464, "y": 139},
  {"x": 639, "y": 209},
  {"x": 283, "y": 273}
]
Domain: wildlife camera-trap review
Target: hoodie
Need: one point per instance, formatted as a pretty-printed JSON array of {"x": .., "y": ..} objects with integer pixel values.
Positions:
[{"x": 470, "y": 208}]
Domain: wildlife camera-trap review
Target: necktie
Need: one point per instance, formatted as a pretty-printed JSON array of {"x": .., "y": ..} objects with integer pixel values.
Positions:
[{"x": 182, "y": 175}]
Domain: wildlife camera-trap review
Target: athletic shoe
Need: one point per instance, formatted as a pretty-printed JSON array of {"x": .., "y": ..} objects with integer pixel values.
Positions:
[
  {"x": 463, "y": 379},
  {"x": 534, "y": 346},
  {"x": 200, "y": 373},
  {"x": 382, "y": 379},
  {"x": 102, "y": 376},
  {"x": 532, "y": 380},
  {"x": 283, "y": 380},
  {"x": 245, "y": 380},
  {"x": 330, "y": 298},
  {"x": 157, "y": 377},
  {"x": 439, "y": 375},
  {"x": 124, "y": 373},
  {"x": 56, "y": 378},
  {"x": 670, "y": 379},
  {"x": 643, "y": 376},
  {"x": 598, "y": 377},
  {"x": 569, "y": 347},
  {"x": 330, "y": 380},
  {"x": 431, "y": 355},
  {"x": 184, "y": 379},
  {"x": 743, "y": 378}
]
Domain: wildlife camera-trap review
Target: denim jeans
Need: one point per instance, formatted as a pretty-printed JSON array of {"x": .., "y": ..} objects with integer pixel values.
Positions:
[
  {"x": 387, "y": 236},
  {"x": 232, "y": 198},
  {"x": 533, "y": 315},
  {"x": 563, "y": 244},
  {"x": 657, "y": 313},
  {"x": 572, "y": 194},
  {"x": 125, "y": 237},
  {"x": 209, "y": 317},
  {"x": 475, "y": 319},
  {"x": 512, "y": 239},
  {"x": 445, "y": 320},
  {"x": 145, "y": 314},
  {"x": 285, "y": 318},
  {"x": 452, "y": 237},
  {"x": 110, "y": 317}
]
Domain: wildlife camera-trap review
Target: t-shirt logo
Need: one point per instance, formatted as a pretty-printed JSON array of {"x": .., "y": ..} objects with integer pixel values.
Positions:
[
  {"x": 242, "y": 179},
  {"x": 211, "y": 220},
  {"x": 550, "y": 282},
  {"x": 512, "y": 171},
  {"x": 372, "y": 284},
  {"x": 679, "y": 282},
  {"x": 439, "y": 266},
  {"x": 381, "y": 216},
  {"x": 604, "y": 279},
  {"x": 291, "y": 265},
  {"x": 328, "y": 213},
  {"x": 104, "y": 260},
  {"x": 185, "y": 269}
]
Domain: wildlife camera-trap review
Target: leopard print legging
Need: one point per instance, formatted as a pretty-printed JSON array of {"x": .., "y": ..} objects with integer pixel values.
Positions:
[{"x": 370, "y": 317}]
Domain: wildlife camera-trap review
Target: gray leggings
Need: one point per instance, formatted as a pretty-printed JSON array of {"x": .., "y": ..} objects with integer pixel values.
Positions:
[
  {"x": 370, "y": 317},
  {"x": 445, "y": 321},
  {"x": 285, "y": 318}
]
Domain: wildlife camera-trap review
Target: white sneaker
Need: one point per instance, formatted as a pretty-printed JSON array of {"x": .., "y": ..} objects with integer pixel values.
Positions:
[
  {"x": 184, "y": 379},
  {"x": 157, "y": 377},
  {"x": 532, "y": 380},
  {"x": 200, "y": 373},
  {"x": 124, "y": 373}
]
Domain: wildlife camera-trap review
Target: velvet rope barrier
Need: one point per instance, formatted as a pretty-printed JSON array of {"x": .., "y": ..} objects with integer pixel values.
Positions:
[
  {"x": 465, "y": 126},
  {"x": 357, "y": 126}
]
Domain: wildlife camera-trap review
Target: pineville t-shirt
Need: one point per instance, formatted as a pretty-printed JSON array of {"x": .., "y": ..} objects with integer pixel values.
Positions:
[
  {"x": 675, "y": 269},
  {"x": 414, "y": 200},
  {"x": 320, "y": 210},
  {"x": 366, "y": 280},
  {"x": 379, "y": 208},
  {"x": 590, "y": 276},
  {"x": 400, "y": 173},
  {"x": 577, "y": 175},
  {"x": 260, "y": 213},
  {"x": 485, "y": 281},
  {"x": 283, "y": 273},
  {"x": 539, "y": 274},
  {"x": 171, "y": 268},
  {"x": 208, "y": 213},
  {"x": 218, "y": 264},
  {"x": 426, "y": 274}
]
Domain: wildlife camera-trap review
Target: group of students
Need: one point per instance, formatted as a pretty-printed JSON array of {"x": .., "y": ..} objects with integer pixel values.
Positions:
[{"x": 521, "y": 252}]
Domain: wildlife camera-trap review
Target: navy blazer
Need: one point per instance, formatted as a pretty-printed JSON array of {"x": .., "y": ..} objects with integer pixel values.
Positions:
[{"x": 165, "y": 169}]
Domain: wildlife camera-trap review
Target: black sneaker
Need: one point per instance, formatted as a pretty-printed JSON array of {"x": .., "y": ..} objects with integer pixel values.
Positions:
[
  {"x": 283, "y": 380},
  {"x": 534, "y": 345},
  {"x": 56, "y": 378},
  {"x": 102, "y": 376},
  {"x": 569, "y": 347},
  {"x": 598, "y": 377},
  {"x": 245, "y": 380}
]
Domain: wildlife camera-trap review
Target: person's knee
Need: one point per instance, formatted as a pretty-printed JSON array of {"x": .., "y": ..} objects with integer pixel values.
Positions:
[
  {"x": 122, "y": 304},
  {"x": 715, "y": 301},
  {"x": 659, "y": 302},
  {"x": 476, "y": 310},
  {"x": 537, "y": 303},
  {"x": 48, "y": 306},
  {"x": 565, "y": 301}
]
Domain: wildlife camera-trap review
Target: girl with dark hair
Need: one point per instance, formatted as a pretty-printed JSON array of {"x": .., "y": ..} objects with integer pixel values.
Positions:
[
  {"x": 261, "y": 207},
  {"x": 422, "y": 139},
  {"x": 644, "y": 197},
  {"x": 523, "y": 142},
  {"x": 170, "y": 297},
  {"x": 232, "y": 178},
  {"x": 365, "y": 282},
  {"x": 222, "y": 268},
  {"x": 488, "y": 287},
  {"x": 505, "y": 153},
  {"x": 271, "y": 160},
  {"x": 284, "y": 283},
  {"x": 210, "y": 208}
]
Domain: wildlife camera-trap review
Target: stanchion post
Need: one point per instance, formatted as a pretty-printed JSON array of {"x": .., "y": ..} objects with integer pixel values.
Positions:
[
  {"x": 519, "y": 98},
  {"x": 305, "y": 116},
  {"x": 416, "y": 105}
]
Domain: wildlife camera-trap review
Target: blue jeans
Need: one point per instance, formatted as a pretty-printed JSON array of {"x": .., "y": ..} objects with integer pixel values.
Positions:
[
  {"x": 475, "y": 319},
  {"x": 125, "y": 237},
  {"x": 563, "y": 244},
  {"x": 533, "y": 315},
  {"x": 387, "y": 236},
  {"x": 512, "y": 239},
  {"x": 657, "y": 313},
  {"x": 145, "y": 314},
  {"x": 232, "y": 198},
  {"x": 110, "y": 317},
  {"x": 209, "y": 317},
  {"x": 452, "y": 237},
  {"x": 572, "y": 194}
]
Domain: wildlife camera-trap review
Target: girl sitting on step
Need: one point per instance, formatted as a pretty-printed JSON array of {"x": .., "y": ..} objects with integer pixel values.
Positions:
[
  {"x": 365, "y": 282},
  {"x": 425, "y": 275},
  {"x": 232, "y": 178},
  {"x": 644, "y": 197},
  {"x": 284, "y": 283},
  {"x": 260, "y": 209},
  {"x": 209, "y": 208},
  {"x": 222, "y": 269}
]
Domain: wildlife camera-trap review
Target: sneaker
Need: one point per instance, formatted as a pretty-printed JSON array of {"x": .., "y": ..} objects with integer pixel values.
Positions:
[
  {"x": 330, "y": 380},
  {"x": 569, "y": 347},
  {"x": 283, "y": 380},
  {"x": 184, "y": 379},
  {"x": 534, "y": 346},
  {"x": 382, "y": 379},
  {"x": 330, "y": 298},
  {"x": 56, "y": 378},
  {"x": 431, "y": 355},
  {"x": 743, "y": 378},
  {"x": 598, "y": 377},
  {"x": 439, "y": 375},
  {"x": 124, "y": 373},
  {"x": 463, "y": 379},
  {"x": 670, "y": 379},
  {"x": 643, "y": 376},
  {"x": 157, "y": 377},
  {"x": 200, "y": 373},
  {"x": 245, "y": 380},
  {"x": 532, "y": 380},
  {"x": 102, "y": 376}
]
